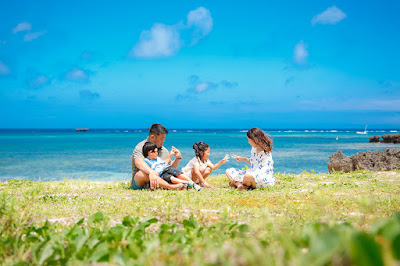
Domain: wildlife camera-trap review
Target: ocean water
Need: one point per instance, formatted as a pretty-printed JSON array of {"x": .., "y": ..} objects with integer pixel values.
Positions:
[{"x": 105, "y": 154}]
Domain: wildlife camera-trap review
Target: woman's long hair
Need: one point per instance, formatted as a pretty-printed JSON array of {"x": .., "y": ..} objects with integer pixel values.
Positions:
[
  {"x": 200, "y": 148},
  {"x": 260, "y": 138}
]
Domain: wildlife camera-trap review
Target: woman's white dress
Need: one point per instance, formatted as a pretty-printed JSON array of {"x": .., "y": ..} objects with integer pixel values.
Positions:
[{"x": 262, "y": 169}]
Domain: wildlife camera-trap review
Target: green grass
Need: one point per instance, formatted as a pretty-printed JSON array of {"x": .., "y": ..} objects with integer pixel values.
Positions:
[{"x": 305, "y": 219}]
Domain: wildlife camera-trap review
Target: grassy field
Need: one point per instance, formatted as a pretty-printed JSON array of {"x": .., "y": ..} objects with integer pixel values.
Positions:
[{"x": 306, "y": 219}]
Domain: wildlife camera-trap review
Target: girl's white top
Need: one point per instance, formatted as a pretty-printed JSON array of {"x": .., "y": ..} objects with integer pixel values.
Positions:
[{"x": 187, "y": 170}]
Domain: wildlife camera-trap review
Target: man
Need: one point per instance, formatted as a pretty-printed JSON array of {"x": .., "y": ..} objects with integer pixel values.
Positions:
[{"x": 142, "y": 175}]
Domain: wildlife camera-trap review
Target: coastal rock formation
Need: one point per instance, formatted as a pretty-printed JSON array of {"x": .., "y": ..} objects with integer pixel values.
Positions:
[
  {"x": 374, "y": 138},
  {"x": 392, "y": 138},
  {"x": 340, "y": 162},
  {"x": 369, "y": 160}
]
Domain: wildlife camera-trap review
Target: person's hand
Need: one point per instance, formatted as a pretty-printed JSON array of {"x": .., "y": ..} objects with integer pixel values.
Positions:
[
  {"x": 226, "y": 158},
  {"x": 177, "y": 153},
  {"x": 206, "y": 185},
  {"x": 154, "y": 178},
  {"x": 238, "y": 158}
]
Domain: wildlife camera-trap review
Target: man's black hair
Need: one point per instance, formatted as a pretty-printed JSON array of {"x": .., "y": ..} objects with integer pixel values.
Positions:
[
  {"x": 148, "y": 146},
  {"x": 157, "y": 129}
]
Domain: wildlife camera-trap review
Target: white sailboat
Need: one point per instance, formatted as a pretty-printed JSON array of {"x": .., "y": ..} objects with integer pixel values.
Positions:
[{"x": 363, "y": 132}]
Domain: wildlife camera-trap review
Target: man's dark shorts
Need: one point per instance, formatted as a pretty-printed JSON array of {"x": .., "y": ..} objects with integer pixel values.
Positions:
[{"x": 168, "y": 172}]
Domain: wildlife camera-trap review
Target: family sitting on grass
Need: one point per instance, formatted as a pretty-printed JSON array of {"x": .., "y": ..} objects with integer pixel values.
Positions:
[{"x": 152, "y": 166}]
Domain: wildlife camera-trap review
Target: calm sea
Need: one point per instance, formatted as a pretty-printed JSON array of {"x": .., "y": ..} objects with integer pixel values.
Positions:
[{"x": 105, "y": 154}]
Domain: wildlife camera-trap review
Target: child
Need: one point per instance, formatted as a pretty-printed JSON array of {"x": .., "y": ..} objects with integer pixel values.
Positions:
[
  {"x": 200, "y": 167},
  {"x": 166, "y": 172},
  {"x": 260, "y": 173}
]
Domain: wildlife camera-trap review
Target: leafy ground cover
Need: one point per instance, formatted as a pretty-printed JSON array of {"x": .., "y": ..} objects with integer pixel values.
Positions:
[{"x": 306, "y": 219}]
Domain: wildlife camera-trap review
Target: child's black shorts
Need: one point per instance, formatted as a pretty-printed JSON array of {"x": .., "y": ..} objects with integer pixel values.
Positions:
[{"x": 168, "y": 172}]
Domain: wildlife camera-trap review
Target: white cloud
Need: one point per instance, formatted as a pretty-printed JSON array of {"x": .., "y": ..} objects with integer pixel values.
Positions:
[
  {"x": 33, "y": 35},
  {"x": 165, "y": 40},
  {"x": 38, "y": 82},
  {"x": 300, "y": 53},
  {"x": 201, "y": 87},
  {"x": 202, "y": 22},
  {"x": 330, "y": 16},
  {"x": 78, "y": 75},
  {"x": 4, "y": 69},
  {"x": 160, "y": 41},
  {"x": 23, "y": 26}
]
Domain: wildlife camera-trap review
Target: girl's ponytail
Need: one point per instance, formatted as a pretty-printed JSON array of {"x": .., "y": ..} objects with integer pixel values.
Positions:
[{"x": 200, "y": 148}]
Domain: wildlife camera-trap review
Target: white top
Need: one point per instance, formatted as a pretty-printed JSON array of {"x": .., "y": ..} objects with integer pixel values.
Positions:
[{"x": 187, "y": 170}]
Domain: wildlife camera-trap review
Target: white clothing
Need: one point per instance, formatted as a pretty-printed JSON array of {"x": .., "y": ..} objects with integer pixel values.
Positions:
[
  {"x": 261, "y": 169},
  {"x": 187, "y": 170}
]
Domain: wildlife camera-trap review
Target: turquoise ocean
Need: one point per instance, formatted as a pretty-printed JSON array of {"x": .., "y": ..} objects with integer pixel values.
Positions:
[{"x": 105, "y": 154}]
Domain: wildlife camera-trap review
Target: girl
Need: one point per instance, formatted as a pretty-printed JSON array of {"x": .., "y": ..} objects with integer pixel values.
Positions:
[
  {"x": 200, "y": 167},
  {"x": 260, "y": 173}
]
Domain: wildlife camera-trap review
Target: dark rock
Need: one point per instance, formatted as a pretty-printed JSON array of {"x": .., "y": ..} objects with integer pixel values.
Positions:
[
  {"x": 369, "y": 160},
  {"x": 374, "y": 138},
  {"x": 340, "y": 162},
  {"x": 392, "y": 138}
]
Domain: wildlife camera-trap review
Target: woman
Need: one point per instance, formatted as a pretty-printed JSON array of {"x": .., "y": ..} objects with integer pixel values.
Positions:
[{"x": 260, "y": 174}]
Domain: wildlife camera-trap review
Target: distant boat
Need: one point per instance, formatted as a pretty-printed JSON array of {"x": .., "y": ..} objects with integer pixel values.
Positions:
[
  {"x": 81, "y": 129},
  {"x": 363, "y": 132}
]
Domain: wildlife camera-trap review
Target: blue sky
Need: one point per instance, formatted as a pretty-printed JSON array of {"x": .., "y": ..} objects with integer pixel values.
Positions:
[{"x": 199, "y": 64}]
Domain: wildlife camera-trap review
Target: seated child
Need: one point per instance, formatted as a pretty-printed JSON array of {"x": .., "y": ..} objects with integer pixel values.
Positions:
[
  {"x": 200, "y": 167},
  {"x": 166, "y": 172}
]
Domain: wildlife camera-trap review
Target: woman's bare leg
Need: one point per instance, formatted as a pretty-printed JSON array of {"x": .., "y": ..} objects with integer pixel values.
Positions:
[
  {"x": 248, "y": 181},
  {"x": 232, "y": 182}
]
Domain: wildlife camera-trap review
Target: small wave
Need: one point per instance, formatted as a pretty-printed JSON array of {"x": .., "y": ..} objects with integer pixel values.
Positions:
[
  {"x": 245, "y": 131},
  {"x": 393, "y": 130},
  {"x": 174, "y": 130},
  {"x": 189, "y": 130},
  {"x": 333, "y": 131},
  {"x": 289, "y": 131},
  {"x": 126, "y": 131}
]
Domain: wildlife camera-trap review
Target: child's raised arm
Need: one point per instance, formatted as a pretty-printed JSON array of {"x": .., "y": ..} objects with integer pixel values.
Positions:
[
  {"x": 217, "y": 165},
  {"x": 240, "y": 158},
  {"x": 168, "y": 159}
]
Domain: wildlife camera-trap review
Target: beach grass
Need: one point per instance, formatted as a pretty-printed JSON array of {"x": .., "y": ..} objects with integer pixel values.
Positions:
[{"x": 336, "y": 218}]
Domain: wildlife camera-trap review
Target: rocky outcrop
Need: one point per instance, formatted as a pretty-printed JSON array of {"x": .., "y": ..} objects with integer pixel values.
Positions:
[
  {"x": 374, "y": 138},
  {"x": 369, "y": 160},
  {"x": 340, "y": 162},
  {"x": 392, "y": 138}
]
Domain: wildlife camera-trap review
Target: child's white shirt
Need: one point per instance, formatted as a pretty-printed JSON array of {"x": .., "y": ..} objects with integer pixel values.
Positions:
[{"x": 187, "y": 170}]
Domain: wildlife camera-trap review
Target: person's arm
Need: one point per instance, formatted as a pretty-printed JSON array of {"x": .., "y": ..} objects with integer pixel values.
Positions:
[
  {"x": 240, "y": 158},
  {"x": 178, "y": 157},
  {"x": 168, "y": 159},
  {"x": 145, "y": 168},
  {"x": 217, "y": 165}
]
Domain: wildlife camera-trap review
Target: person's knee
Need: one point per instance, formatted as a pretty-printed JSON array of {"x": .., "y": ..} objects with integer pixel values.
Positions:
[
  {"x": 208, "y": 170},
  {"x": 247, "y": 180},
  {"x": 141, "y": 178}
]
